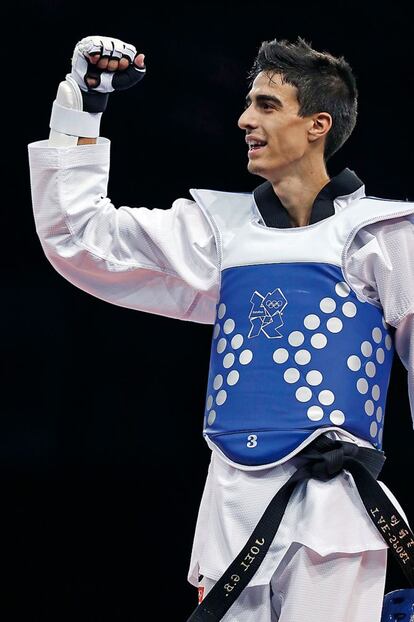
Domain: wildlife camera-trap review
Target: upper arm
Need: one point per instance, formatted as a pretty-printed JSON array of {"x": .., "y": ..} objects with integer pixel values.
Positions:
[
  {"x": 163, "y": 261},
  {"x": 380, "y": 263}
]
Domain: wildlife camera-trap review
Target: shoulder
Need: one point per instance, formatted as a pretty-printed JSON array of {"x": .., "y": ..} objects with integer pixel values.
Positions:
[
  {"x": 209, "y": 194},
  {"x": 389, "y": 239},
  {"x": 385, "y": 234},
  {"x": 225, "y": 209},
  {"x": 387, "y": 213},
  {"x": 399, "y": 204}
]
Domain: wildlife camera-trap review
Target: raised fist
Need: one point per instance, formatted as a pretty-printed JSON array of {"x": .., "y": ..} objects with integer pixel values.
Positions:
[{"x": 101, "y": 65}]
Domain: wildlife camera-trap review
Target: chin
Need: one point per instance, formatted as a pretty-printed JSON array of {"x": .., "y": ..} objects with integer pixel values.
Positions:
[{"x": 255, "y": 169}]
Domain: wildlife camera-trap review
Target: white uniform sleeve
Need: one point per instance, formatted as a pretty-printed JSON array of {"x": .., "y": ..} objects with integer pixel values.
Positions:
[
  {"x": 153, "y": 260},
  {"x": 380, "y": 267}
]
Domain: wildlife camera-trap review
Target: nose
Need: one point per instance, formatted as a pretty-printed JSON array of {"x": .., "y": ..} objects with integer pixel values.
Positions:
[{"x": 247, "y": 119}]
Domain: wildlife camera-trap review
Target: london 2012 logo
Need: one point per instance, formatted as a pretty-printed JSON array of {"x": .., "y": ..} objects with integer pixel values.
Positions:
[{"x": 266, "y": 314}]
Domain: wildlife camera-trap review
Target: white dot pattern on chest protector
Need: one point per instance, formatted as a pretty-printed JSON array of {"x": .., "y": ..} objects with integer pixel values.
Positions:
[
  {"x": 377, "y": 334},
  {"x": 218, "y": 381},
  {"x": 337, "y": 417},
  {"x": 334, "y": 325},
  {"x": 342, "y": 289},
  {"x": 237, "y": 341},
  {"x": 228, "y": 326},
  {"x": 370, "y": 369},
  {"x": 303, "y": 394},
  {"x": 369, "y": 407},
  {"x": 221, "y": 345},
  {"x": 354, "y": 362},
  {"x": 291, "y": 375},
  {"x": 228, "y": 360},
  {"x": 280, "y": 355},
  {"x": 233, "y": 377},
  {"x": 296, "y": 338},
  {"x": 349, "y": 309},
  {"x": 221, "y": 397},
  {"x": 221, "y": 311},
  {"x": 319, "y": 340},
  {"x": 314, "y": 377},
  {"x": 245, "y": 357},
  {"x": 315, "y": 413},
  {"x": 375, "y": 392},
  {"x": 327, "y": 305},
  {"x": 311, "y": 321},
  {"x": 366, "y": 348},
  {"x": 302, "y": 357},
  {"x": 211, "y": 417},
  {"x": 326, "y": 397},
  {"x": 362, "y": 385},
  {"x": 328, "y": 408}
]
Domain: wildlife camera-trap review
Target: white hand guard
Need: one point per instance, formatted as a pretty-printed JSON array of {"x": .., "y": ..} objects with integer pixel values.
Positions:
[
  {"x": 95, "y": 98},
  {"x": 78, "y": 108}
]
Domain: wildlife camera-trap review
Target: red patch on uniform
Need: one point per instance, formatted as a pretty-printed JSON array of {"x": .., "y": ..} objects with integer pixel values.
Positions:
[{"x": 200, "y": 594}]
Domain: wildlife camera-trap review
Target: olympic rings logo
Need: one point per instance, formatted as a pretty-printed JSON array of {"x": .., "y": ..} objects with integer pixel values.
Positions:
[{"x": 273, "y": 304}]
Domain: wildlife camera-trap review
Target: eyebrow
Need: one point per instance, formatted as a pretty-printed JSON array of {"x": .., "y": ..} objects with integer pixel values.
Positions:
[{"x": 265, "y": 98}]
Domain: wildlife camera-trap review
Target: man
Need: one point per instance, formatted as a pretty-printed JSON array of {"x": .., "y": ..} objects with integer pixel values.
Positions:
[{"x": 309, "y": 286}]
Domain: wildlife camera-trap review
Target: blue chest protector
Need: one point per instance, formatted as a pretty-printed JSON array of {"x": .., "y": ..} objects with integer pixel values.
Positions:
[{"x": 294, "y": 351}]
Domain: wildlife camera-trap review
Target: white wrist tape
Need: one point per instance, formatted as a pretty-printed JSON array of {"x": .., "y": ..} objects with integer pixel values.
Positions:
[{"x": 74, "y": 122}]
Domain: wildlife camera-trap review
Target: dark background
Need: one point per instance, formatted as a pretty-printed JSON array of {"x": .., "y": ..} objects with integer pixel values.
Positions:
[{"x": 101, "y": 452}]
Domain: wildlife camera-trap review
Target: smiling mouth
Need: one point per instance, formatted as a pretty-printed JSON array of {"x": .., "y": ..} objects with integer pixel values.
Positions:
[
  {"x": 254, "y": 144},
  {"x": 255, "y": 149}
]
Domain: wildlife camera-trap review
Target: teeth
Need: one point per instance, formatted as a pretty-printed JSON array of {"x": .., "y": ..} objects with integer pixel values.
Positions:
[{"x": 255, "y": 143}]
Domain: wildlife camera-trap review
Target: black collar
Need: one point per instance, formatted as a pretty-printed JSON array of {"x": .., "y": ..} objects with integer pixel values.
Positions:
[{"x": 275, "y": 215}]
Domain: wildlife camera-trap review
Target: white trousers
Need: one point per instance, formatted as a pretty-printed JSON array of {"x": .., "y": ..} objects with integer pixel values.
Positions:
[{"x": 306, "y": 587}]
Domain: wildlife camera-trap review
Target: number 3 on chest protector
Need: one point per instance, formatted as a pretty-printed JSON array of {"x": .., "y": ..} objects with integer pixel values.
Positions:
[{"x": 251, "y": 440}]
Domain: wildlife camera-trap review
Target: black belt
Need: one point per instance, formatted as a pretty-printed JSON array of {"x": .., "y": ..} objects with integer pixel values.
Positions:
[{"x": 323, "y": 459}]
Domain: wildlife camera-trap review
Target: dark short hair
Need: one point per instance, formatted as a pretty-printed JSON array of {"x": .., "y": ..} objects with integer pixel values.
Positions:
[{"x": 324, "y": 83}]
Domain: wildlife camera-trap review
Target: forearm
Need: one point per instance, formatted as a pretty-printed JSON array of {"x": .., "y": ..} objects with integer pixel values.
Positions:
[
  {"x": 86, "y": 141},
  {"x": 69, "y": 124}
]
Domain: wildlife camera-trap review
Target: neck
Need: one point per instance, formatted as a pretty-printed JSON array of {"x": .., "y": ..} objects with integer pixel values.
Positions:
[{"x": 297, "y": 192}]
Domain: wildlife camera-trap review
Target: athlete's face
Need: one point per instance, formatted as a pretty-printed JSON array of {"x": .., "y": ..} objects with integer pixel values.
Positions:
[{"x": 271, "y": 116}]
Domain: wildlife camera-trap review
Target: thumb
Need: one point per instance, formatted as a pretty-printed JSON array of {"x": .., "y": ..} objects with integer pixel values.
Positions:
[{"x": 139, "y": 61}]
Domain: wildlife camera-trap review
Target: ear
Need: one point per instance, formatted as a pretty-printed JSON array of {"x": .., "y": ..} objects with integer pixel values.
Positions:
[{"x": 322, "y": 123}]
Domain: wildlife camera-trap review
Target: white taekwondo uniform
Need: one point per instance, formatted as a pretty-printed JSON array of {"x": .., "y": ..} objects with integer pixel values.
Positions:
[{"x": 168, "y": 262}]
